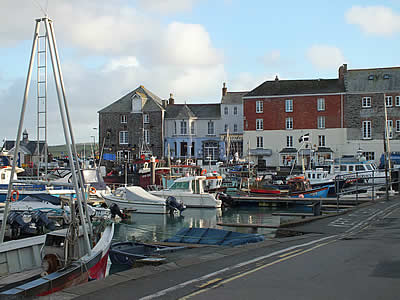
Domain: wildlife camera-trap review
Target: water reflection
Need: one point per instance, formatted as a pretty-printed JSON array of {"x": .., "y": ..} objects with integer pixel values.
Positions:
[{"x": 154, "y": 228}]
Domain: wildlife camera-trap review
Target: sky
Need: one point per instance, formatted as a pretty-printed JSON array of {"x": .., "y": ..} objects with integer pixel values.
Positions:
[{"x": 186, "y": 47}]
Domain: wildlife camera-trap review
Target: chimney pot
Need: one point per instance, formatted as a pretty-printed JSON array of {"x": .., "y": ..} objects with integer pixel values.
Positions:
[
  {"x": 171, "y": 99},
  {"x": 224, "y": 89},
  {"x": 276, "y": 78}
]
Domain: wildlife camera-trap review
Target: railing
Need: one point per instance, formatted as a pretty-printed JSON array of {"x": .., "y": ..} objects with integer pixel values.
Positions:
[{"x": 361, "y": 181}]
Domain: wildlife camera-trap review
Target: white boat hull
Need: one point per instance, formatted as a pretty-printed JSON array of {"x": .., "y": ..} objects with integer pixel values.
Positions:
[
  {"x": 204, "y": 200},
  {"x": 136, "y": 206}
]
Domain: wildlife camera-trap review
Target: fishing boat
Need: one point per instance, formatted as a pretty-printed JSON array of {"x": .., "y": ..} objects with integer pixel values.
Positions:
[
  {"x": 135, "y": 198},
  {"x": 190, "y": 190},
  {"x": 300, "y": 187},
  {"x": 66, "y": 257}
]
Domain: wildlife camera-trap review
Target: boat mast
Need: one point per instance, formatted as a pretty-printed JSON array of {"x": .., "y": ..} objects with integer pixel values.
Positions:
[{"x": 67, "y": 128}]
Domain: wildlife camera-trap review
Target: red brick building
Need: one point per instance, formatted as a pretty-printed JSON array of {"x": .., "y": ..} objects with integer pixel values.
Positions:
[{"x": 278, "y": 113}]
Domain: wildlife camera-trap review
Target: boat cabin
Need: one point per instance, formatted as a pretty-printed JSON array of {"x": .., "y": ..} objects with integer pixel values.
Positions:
[{"x": 193, "y": 184}]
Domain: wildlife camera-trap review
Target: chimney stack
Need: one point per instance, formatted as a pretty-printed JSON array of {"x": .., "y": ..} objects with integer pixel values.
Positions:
[
  {"x": 224, "y": 90},
  {"x": 342, "y": 71},
  {"x": 171, "y": 99}
]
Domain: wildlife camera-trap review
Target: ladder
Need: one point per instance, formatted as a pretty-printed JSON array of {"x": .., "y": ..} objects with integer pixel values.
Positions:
[
  {"x": 77, "y": 178},
  {"x": 41, "y": 119}
]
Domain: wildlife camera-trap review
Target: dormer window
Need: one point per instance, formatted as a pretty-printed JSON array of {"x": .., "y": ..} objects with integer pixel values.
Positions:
[
  {"x": 136, "y": 104},
  {"x": 371, "y": 77}
]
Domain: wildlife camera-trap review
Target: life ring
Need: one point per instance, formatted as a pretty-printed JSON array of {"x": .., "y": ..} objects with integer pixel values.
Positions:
[
  {"x": 203, "y": 172},
  {"x": 14, "y": 192},
  {"x": 92, "y": 190}
]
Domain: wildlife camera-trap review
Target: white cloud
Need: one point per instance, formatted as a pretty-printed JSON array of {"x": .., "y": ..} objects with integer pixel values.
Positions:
[
  {"x": 325, "y": 57},
  {"x": 138, "y": 50},
  {"x": 271, "y": 58},
  {"x": 378, "y": 20},
  {"x": 170, "y": 6},
  {"x": 122, "y": 62},
  {"x": 188, "y": 44},
  {"x": 246, "y": 81}
]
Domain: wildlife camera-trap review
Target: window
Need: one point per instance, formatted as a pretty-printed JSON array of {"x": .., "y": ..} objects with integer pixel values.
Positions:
[
  {"x": 386, "y": 76},
  {"x": 321, "y": 122},
  {"x": 369, "y": 155},
  {"x": 123, "y": 156},
  {"x": 259, "y": 124},
  {"x": 192, "y": 129},
  {"x": 210, "y": 128},
  {"x": 260, "y": 142},
  {"x": 366, "y": 129},
  {"x": 146, "y": 118},
  {"x": 397, "y": 125},
  {"x": 397, "y": 101},
  {"x": 390, "y": 128},
  {"x": 320, "y": 104},
  {"x": 175, "y": 127},
  {"x": 226, "y": 128},
  {"x": 123, "y": 137},
  {"x": 289, "y": 141},
  {"x": 321, "y": 141},
  {"x": 183, "y": 127},
  {"x": 371, "y": 77},
  {"x": 235, "y": 110},
  {"x": 389, "y": 101},
  {"x": 146, "y": 136},
  {"x": 225, "y": 110},
  {"x": 124, "y": 119},
  {"x": 366, "y": 102},
  {"x": 235, "y": 128},
  {"x": 259, "y": 106},
  {"x": 289, "y": 123},
  {"x": 288, "y": 105},
  {"x": 210, "y": 151}
]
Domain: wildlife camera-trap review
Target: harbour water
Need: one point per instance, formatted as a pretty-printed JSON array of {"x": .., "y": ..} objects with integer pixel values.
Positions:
[{"x": 155, "y": 228}]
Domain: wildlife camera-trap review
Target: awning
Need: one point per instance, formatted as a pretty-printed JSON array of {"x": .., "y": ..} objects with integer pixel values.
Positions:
[
  {"x": 288, "y": 150},
  {"x": 232, "y": 137},
  {"x": 324, "y": 149},
  {"x": 261, "y": 152}
]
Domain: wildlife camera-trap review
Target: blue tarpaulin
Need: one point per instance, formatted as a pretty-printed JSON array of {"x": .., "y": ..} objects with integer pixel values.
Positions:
[
  {"x": 211, "y": 236},
  {"x": 108, "y": 156}
]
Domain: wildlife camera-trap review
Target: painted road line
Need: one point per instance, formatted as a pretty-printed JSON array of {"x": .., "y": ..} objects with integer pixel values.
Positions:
[
  {"x": 289, "y": 253},
  {"x": 254, "y": 270},
  {"x": 255, "y": 260},
  {"x": 209, "y": 283}
]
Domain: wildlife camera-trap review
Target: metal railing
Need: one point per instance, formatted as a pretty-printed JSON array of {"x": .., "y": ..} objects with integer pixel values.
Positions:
[{"x": 372, "y": 181}]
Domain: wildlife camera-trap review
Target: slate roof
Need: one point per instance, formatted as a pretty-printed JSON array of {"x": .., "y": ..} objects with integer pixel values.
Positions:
[
  {"x": 29, "y": 147},
  {"x": 293, "y": 87},
  {"x": 124, "y": 104},
  {"x": 382, "y": 79},
  {"x": 199, "y": 111},
  {"x": 233, "y": 98}
]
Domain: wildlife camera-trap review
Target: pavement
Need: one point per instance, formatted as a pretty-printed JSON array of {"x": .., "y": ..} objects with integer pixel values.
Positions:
[{"x": 196, "y": 264}]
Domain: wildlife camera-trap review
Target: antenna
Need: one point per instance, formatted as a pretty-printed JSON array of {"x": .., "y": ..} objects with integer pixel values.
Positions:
[{"x": 40, "y": 7}]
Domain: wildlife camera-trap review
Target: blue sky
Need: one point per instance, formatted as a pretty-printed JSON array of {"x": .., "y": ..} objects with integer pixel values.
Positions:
[{"x": 186, "y": 47}]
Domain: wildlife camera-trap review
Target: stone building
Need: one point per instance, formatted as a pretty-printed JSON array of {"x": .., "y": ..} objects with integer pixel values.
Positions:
[
  {"x": 132, "y": 126},
  {"x": 368, "y": 91},
  {"x": 28, "y": 154}
]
